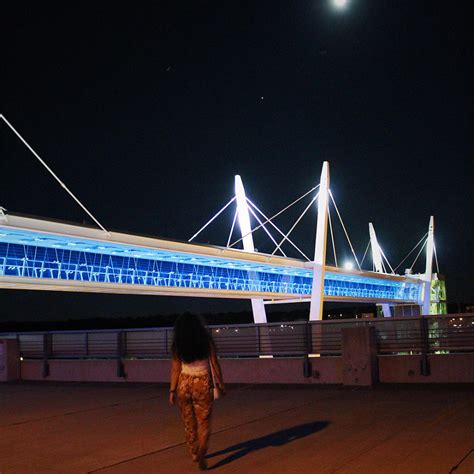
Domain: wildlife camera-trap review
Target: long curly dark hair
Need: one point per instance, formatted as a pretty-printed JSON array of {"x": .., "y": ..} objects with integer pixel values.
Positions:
[{"x": 191, "y": 339}]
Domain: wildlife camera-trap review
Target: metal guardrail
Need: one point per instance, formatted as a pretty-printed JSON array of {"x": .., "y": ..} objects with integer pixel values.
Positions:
[{"x": 407, "y": 335}]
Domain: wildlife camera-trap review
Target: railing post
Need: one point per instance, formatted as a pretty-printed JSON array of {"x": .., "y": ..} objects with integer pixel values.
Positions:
[
  {"x": 425, "y": 346},
  {"x": 258, "y": 339},
  {"x": 121, "y": 349},
  {"x": 359, "y": 356},
  {"x": 308, "y": 350},
  {"x": 308, "y": 338},
  {"x": 46, "y": 354}
]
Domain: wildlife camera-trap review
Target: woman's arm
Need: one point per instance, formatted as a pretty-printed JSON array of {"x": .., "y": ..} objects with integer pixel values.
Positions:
[
  {"x": 175, "y": 371},
  {"x": 219, "y": 381}
]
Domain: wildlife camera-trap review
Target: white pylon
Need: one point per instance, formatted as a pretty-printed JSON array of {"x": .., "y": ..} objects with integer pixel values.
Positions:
[
  {"x": 377, "y": 259},
  {"x": 429, "y": 268},
  {"x": 317, "y": 292},
  {"x": 243, "y": 216}
]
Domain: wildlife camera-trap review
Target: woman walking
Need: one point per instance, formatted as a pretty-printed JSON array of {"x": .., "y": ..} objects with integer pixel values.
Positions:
[{"x": 194, "y": 370}]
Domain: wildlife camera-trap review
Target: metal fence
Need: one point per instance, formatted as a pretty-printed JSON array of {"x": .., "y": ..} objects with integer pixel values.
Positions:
[{"x": 407, "y": 335}]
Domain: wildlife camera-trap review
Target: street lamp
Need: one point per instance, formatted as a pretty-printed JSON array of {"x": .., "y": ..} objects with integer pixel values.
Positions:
[
  {"x": 340, "y": 3},
  {"x": 348, "y": 265}
]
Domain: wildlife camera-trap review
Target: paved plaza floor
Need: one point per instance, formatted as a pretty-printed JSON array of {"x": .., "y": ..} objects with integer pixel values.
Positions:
[{"x": 130, "y": 428}]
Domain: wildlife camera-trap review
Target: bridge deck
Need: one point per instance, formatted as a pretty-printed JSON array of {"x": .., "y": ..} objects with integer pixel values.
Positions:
[
  {"x": 49, "y": 427},
  {"x": 38, "y": 254}
]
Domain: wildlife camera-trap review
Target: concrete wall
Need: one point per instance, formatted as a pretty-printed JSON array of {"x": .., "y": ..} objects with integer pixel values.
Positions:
[
  {"x": 444, "y": 368},
  {"x": 325, "y": 370},
  {"x": 448, "y": 368},
  {"x": 97, "y": 370},
  {"x": 359, "y": 357},
  {"x": 9, "y": 360}
]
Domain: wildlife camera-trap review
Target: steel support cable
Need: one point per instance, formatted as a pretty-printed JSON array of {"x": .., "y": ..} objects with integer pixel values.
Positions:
[
  {"x": 54, "y": 174},
  {"x": 418, "y": 254},
  {"x": 388, "y": 263},
  {"x": 232, "y": 228},
  {"x": 278, "y": 230},
  {"x": 212, "y": 219},
  {"x": 412, "y": 250},
  {"x": 332, "y": 237},
  {"x": 386, "y": 259},
  {"x": 365, "y": 253},
  {"x": 265, "y": 229},
  {"x": 344, "y": 227},
  {"x": 436, "y": 257},
  {"x": 295, "y": 224},
  {"x": 276, "y": 215}
]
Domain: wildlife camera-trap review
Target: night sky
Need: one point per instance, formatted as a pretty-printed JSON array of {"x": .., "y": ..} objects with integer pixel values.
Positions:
[{"x": 148, "y": 110}]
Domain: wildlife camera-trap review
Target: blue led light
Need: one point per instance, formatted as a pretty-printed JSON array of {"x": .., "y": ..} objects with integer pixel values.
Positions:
[{"x": 35, "y": 255}]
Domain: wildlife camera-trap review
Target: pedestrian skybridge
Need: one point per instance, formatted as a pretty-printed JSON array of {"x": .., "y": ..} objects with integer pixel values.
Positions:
[{"x": 45, "y": 255}]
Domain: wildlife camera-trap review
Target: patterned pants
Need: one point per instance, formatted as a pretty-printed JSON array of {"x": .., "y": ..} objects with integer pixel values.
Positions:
[{"x": 195, "y": 402}]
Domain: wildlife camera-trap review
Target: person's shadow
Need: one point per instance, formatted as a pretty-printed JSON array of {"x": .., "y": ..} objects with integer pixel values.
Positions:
[{"x": 273, "y": 439}]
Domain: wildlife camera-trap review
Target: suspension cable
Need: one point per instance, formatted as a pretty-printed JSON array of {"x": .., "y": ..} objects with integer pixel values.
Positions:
[
  {"x": 213, "y": 218},
  {"x": 265, "y": 229},
  {"x": 53, "y": 174},
  {"x": 365, "y": 253},
  {"x": 276, "y": 215},
  {"x": 411, "y": 251},
  {"x": 232, "y": 228},
  {"x": 386, "y": 259},
  {"x": 343, "y": 226},
  {"x": 295, "y": 224},
  {"x": 436, "y": 257},
  {"x": 418, "y": 254},
  {"x": 332, "y": 237},
  {"x": 278, "y": 230}
]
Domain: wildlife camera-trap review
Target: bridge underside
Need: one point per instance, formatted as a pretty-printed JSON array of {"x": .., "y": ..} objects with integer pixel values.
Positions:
[{"x": 43, "y": 255}]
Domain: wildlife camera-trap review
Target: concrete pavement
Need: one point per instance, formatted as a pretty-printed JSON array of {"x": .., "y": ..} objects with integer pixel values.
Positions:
[{"x": 130, "y": 428}]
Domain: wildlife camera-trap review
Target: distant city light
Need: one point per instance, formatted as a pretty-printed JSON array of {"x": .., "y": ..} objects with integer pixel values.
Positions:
[{"x": 348, "y": 265}]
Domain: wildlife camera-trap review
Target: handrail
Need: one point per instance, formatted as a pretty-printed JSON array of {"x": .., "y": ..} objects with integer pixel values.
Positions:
[
  {"x": 251, "y": 325},
  {"x": 416, "y": 334}
]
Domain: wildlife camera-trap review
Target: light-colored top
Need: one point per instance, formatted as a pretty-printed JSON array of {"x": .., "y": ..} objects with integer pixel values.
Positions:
[{"x": 195, "y": 368}]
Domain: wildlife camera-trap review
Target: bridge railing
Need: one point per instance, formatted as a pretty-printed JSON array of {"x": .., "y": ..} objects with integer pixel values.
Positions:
[{"x": 407, "y": 335}]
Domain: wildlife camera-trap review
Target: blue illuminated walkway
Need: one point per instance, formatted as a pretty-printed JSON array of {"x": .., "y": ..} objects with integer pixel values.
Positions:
[{"x": 29, "y": 254}]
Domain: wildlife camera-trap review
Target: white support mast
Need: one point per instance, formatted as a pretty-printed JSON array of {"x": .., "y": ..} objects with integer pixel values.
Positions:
[
  {"x": 429, "y": 267},
  {"x": 317, "y": 292},
  {"x": 378, "y": 263},
  {"x": 258, "y": 308}
]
